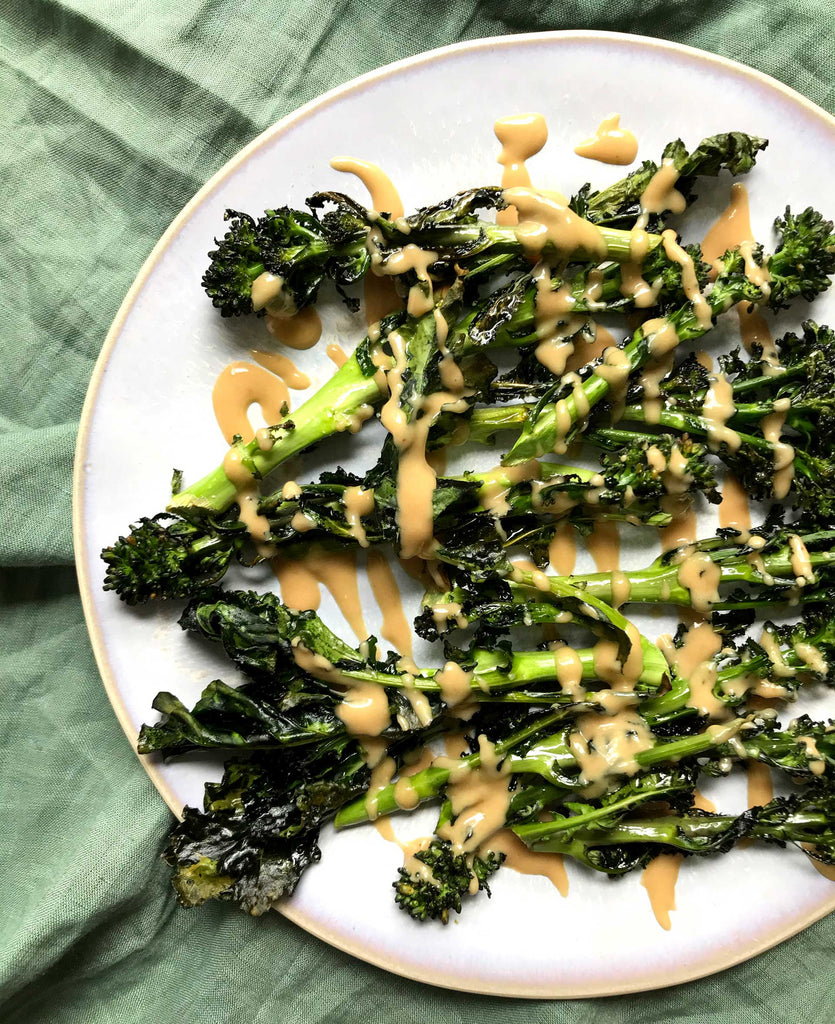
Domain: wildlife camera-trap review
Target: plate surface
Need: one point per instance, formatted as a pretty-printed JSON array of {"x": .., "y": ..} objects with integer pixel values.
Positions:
[{"x": 428, "y": 122}]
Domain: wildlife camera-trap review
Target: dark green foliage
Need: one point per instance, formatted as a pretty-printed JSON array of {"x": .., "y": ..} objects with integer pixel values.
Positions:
[
  {"x": 803, "y": 265},
  {"x": 236, "y": 263},
  {"x": 799, "y": 267},
  {"x": 450, "y": 877},
  {"x": 226, "y": 717},
  {"x": 805, "y": 750},
  {"x": 752, "y": 660},
  {"x": 172, "y": 556},
  {"x": 630, "y": 466},
  {"x": 292, "y": 244},
  {"x": 804, "y": 820},
  {"x": 619, "y": 204},
  {"x": 259, "y": 829}
]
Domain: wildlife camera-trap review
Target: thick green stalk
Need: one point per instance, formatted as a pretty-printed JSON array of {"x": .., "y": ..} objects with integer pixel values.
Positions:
[
  {"x": 614, "y": 243},
  {"x": 692, "y": 833},
  {"x": 551, "y": 758},
  {"x": 328, "y": 412},
  {"x": 429, "y": 782},
  {"x": 661, "y": 583}
]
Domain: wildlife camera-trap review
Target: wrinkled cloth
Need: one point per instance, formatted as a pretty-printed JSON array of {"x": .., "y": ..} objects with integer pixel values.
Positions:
[{"x": 113, "y": 114}]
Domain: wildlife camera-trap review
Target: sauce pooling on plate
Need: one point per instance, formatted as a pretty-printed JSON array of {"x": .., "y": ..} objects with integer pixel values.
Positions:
[
  {"x": 522, "y": 136},
  {"x": 610, "y": 143}
]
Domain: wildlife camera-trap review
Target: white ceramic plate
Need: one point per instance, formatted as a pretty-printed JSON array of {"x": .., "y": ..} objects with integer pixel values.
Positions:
[{"x": 428, "y": 122}]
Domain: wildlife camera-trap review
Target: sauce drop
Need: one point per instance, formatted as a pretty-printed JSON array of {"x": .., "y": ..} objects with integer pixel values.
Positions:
[
  {"x": 603, "y": 544},
  {"x": 522, "y": 136},
  {"x": 526, "y": 862},
  {"x": 732, "y": 229},
  {"x": 299, "y": 579},
  {"x": 300, "y": 331},
  {"x": 282, "y": 366},
  {"x": 240, "y": 385},
  {"x": 659, "y": 879},
  {"x": 610, "y": 143},
  {"x": 337, "y": 354},
  {"x": 760, "y": 784},
  {"x": 380, "y": 298},
  {"x": 562, "y": 550},
  {"x": 384, "y": 196},
  {"x": 395, "y": 626}
]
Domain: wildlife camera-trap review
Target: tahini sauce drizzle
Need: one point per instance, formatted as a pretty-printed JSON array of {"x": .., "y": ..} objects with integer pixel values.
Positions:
[
  {"x": 498, "y": 481},
  {"x": 283, "y": 367},
  {"x": 682, "y": 529},
  {"x": 610, "y": 143},
  {"x": 588, "y": 347},
  {"x": 659, "y": 879},
  {"x": 384, "y": 196},
  {"x": 247, "y": 496},
  {"x": 827, "y": 870},
  {"x": 702, "y": 803},
  {"x": 732, "y": 229},
  {"x": 300, "y": 331},
  {"x": 547, "y": 220},
  {"x": 772, "y": 428},
  {"x": 700, "y": 575},
  {"x": 337, "y": 355},
  {"x": 364, "y": 710},
  {"x": 689, "y": 280},
  {"x": 554, "y": 325},
  {"x": 358, "y": 502},
  {"x": 526, "y": 862},
  {"x": 562, "y": 549},
  {"x": 395, "y": 627},
  {"x": 694, "y": 662},
  {"x": 603, "y": 544},
  {"x": 380, "y": 295},
  {"x": 455, "y": 684},
  {"x": 717, "y": 410},
  {"x": 522, "y": 136},
  {"x": 240, "y": 385},
  {"x": 416, "y": 478},
  {"x": 760, "y": 784},
  {"x": 605, "y": 746},
  {"x": 569, "y": 671},
  {"x": 411, "y": 257},
  {"x": 659, "y": 196},
  {"x": 299, "y": 579},
  {"x": 479, "y": 799}
]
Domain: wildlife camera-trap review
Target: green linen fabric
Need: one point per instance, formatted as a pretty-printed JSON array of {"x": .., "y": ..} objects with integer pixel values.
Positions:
[{"x": 113, "y": 113}]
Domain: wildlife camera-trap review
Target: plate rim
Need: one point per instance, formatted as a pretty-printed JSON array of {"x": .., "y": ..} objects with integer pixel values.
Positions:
[{"x": 548, "y": 989}]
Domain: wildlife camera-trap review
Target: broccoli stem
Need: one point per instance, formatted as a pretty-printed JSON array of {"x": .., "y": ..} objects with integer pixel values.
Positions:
[
  {"x": 550, "y": 758},
  {"x": 544, "y": 433},
  {"x": 327, "y": 412},
  {"x": 660, "y": 581},
  {"x": 429, "y": 782},
  {"x": 780, "y": 821}
]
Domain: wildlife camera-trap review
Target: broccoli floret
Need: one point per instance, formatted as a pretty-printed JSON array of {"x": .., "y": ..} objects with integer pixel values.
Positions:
[{"x": 434, "y": 888}]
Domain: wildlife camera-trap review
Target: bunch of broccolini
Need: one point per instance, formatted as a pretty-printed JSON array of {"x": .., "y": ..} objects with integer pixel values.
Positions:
[{"x": 535, "y": 716}]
